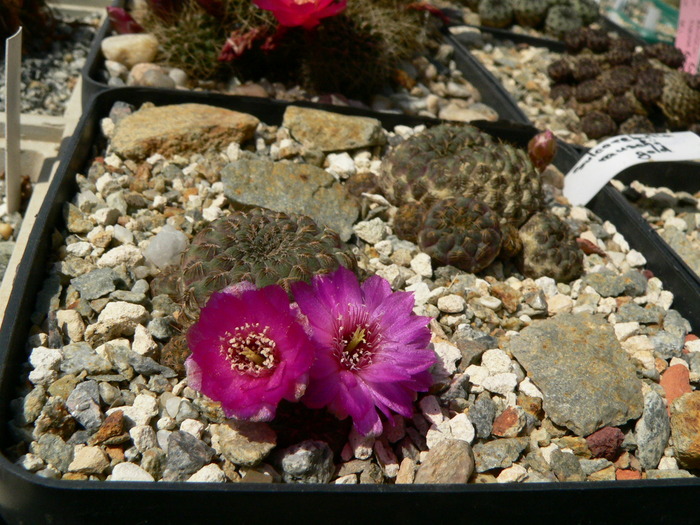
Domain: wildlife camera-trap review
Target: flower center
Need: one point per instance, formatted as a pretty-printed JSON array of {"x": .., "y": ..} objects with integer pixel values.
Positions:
[
  {"x": 249, "y": 349},
  {"x": 357, "y": 341}
]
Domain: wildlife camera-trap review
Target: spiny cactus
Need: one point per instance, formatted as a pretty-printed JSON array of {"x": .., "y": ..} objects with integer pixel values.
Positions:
[
  {"x": 549, "y": 249},
  {"x": 597, "y": 124},
  {"x": 447, "y": 161},
  {"x": 496, "y": 13},
  {"x": 260, "y": 246},
  {"x": 562, "y": 19},
  {"x": 462, "y": 232},
  {"x": 530, "y": 13},
  {"x": 679, "y": 101},
  {"x": 357, "y": 52},
  {"x": 461, "y": 195}
]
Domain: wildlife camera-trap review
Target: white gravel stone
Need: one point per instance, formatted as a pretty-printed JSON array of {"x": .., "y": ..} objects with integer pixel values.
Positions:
[
  {"x": 193, "y": 426},
  {"x": 106, "y": 216},
  {"x": 89, "y": 460},
  {"x": 477, "y": 375},
  {"x": 547, "y": 451},
  {"x": 340, "y": 165},
  {"x": 348, "y": 479},
  {"x": 501, "y": 383},
  {"x": 30, "y": 462},
  {"x": 79, "y": 249},
  {"x": 394, "y": 274},
  {"x": 422, "y": 265},
  {"x": 421, "y": 292},
  {"x": 211, "y": 473},
  {"x": 637, "y": 343},
  {"x": 624, "y": 331},
  {"x": 635, "y": 258},
  {"x": 548, "y": 286},
  {"x": 528, "y": 388},
  {"x": 559, "y": 304},
  {"x": 490, "y": 302},
  {"x": 141, "y": 412},
  {"x": 512, "y": 474},
  {"x": 129, "y": 472},
  {"x": 496, "y": 361},
  {"x": 371, "y": 231},
  {"x": 71, "y": 324},
  {"x": 693, "y": 346},
  {"x": 122, "y": 312},
  {"x": 125, "y": 254},
  {"x": 144, "y": 437},
  {"x": 387, "y": 459},
  {"x": 462, "y": 428},
  {"x": 45, "y": 362},
  {"x": 448, "y": 356},
  {"x": 143, "y": 342},
  {"x": 668, "y": 463},
  {"x": 451, "y": 304}
]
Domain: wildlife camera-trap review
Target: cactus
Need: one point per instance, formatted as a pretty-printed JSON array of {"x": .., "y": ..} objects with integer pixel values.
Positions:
[
  {"x": 259, "y": 246},
  {"x": 562, "y": 19},
  {"x": 636, "y": 124},
  {"x": 530, "y": 13},
  {"x": 549, "y": 249},
  {"x": 462, "y": 232},
  {"x": 357, "y": 53},
  {"x": 585, "y": 69},
  {"x": 597, "y": 124},
  {"x": 667, "y": 54},
  {"x": 679, "y": 102},
  {"x": 461, "y": 195},
  {"x": 587, "y": 9},
  {"x": 589, "y": 91},
  {"x": 496, "y": 13}
]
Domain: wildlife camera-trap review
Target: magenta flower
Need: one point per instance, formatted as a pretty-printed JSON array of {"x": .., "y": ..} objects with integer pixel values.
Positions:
[
  {"x": 373, "y": 353},
  {"x": 122, "y": 22},
  {"x": 304, "y": 13},
  {"x": 250, "y": 349}
]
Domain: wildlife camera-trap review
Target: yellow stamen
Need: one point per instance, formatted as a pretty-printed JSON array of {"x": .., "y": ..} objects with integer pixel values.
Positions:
[
  {"x": 357, "y": 338},
  {"x": 255, "y": 358}
]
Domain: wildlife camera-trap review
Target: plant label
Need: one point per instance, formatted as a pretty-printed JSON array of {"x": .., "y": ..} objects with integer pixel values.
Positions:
[
  {"x": 13, "y": 67},
  {"x": 688, "y": 34},
  {"x": 612, "y": 156}
]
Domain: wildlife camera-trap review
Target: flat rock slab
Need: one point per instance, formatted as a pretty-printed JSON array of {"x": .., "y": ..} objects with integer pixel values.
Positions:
[
  {"x": 291, "y": 188},
  {"x": 586, "y": 377},
  {"x": 325, "y": 131},
  {"x": 180, "y": 129}
]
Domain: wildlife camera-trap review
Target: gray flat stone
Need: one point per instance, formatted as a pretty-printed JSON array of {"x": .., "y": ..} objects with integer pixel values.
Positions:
[
  {"x": 291, "y": 188},
  {"x": 652, "y": 431},
  {"x": 96, "y": 284},
  {"x": 500, "y": 453},
  {"x": 587, "y": 379},
  {"x": 450, "y": 461}
]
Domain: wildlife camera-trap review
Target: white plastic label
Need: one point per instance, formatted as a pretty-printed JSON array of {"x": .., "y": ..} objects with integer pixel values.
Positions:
[
  {"x": 13, "y": 68},
  {"x": 601, "y": 163}
]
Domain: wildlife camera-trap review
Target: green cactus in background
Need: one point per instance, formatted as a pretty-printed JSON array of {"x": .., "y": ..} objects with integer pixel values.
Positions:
[
  {"x": 530, "y": 13},
  {"x": 34, "y": 16},
  {"x": 496, "y": 13},
  {"x": 562, "y": 19}
]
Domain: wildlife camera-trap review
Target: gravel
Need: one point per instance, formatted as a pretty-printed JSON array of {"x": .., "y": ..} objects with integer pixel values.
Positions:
[{"x": 499, "y": 415}]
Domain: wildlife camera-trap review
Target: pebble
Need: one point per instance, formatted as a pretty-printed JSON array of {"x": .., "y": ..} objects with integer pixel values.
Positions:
[
  {"x": 307, "y": 462},
  {"x": 242, "y": 442},
  {"x": 211, "y": 473},
  {"x": 130, "y": 472},
  {"x": 451, "y": 461}
]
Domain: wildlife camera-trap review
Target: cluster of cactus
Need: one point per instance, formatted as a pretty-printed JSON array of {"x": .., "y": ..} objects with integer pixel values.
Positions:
[
  {"x": 354, "y": 53},
  {"x": 617, "y": 89},
  {"x": 555, "y": 17},
  {"x": 34, "y": 16},
  {"x": 463, "y": 197}
]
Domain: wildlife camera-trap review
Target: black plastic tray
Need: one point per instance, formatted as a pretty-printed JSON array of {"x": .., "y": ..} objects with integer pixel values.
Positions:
[
  {"x": 492, "y": 93},
  {"x": 28, "y": 499}
]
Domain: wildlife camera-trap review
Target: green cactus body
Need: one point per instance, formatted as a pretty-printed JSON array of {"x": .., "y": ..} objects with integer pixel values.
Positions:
[
  {"x": 588, "y": 10},
  {"x": 530, "y": 13},
  {"x": 496, "y": 13},
  {"x": 260, "y": 246},
  {"x": 562, "y": 19}
]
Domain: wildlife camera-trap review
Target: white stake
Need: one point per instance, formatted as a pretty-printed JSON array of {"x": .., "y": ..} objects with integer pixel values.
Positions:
[{"x": 13, "y": 68}]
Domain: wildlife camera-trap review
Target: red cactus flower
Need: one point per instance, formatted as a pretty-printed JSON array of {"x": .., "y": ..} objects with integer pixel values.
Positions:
[
  {"x": 240, "y": 41},
  {"x": 304, "y": 13},
  {"x": 122, "y": 22}
]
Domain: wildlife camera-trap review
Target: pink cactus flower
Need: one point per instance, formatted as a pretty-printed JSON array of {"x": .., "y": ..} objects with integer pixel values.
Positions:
[
  {"x": 373, "y": 354},
  {"x": 122, "y": 21},
  {"x": 304, "y": 13},
  {"x": 250, "y": 349}
]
